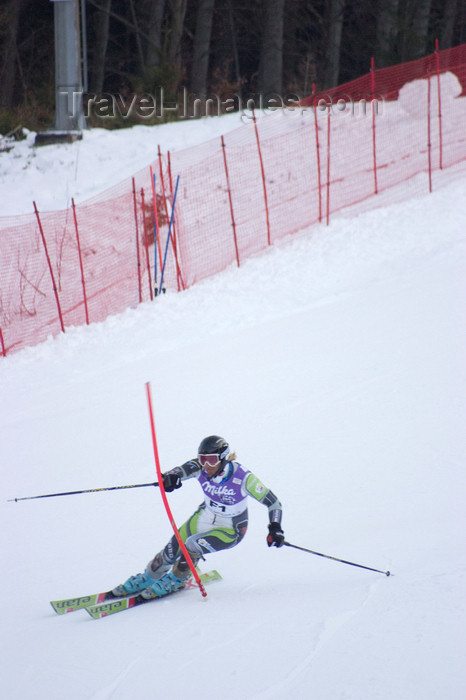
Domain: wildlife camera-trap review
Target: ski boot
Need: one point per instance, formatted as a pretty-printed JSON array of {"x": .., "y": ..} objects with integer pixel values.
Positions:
[
  {"x": 135, "y": 584},
  {"x": 165, "y": 585}
]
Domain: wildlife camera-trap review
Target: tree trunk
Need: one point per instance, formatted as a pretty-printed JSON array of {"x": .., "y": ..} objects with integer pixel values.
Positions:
[
  {"x": 416, "y": 29},
  {"x": 201, "y": 51},
  {"x": 387, "y": 30},
  {"x": 178, "y": 12},
  {"x": 153, "y": 51},
  {"x": 100, "y": 51},
  {"x": 10, "y": 16},
  {"x": 421, "y": 26},
  {"x": 332, "y": 53},
  {"x": 234, "y": 46},
  {"x": 448, "y": 24},
  {"x": 271, "y": 58}
]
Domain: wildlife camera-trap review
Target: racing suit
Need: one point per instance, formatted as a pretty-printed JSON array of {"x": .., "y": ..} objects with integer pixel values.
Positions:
[{"x": 221, "y": 520}]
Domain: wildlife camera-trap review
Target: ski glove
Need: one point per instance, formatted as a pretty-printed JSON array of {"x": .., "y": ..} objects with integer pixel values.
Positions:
[
  {"x": 171, "y": 481},
  {"x": 276, "y": 536}
]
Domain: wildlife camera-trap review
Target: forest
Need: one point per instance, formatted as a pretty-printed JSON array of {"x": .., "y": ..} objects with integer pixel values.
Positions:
[{"x": 213, "y": 47}]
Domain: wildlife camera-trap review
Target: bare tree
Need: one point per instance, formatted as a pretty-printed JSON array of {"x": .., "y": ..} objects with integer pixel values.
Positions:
[
  {"x": 9, "y": 24},
  {"x": 175, "y": 30},
  {"x": 154, "y": 13},
  {"x": 201, "y": 50},
  {"x": 387, "y": 31},
  {"x": 448, "y": 24},
  {"x": 271, "y": 57},
  {"x": 415, "y": 30},
  {"x": 421, "y": 27},
  {"x": 336, "y": 9},
  {"x": 101, "y": 25},
  {"x": 234, "y": 45}
]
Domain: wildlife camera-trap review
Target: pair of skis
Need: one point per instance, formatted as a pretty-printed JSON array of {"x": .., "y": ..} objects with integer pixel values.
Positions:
[{"x": 103, "y": 604}]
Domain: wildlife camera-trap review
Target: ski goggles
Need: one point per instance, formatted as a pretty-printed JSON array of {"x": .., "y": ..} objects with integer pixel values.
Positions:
[{"x": 209, "y": 460}]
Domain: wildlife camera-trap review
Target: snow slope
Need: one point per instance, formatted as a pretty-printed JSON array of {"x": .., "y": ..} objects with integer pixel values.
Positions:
[
  {"x": 334, "y": 364},
  {"x": 103, "y": 158}
]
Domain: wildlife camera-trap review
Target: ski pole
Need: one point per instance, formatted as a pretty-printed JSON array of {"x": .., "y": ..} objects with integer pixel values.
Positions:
[
  {"x": 343, "y": 561},
  {"x": 73, "y": 493}
]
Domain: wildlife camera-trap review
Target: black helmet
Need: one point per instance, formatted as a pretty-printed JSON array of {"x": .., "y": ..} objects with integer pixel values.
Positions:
[
  {"x": 211, "y": 447},
  {"x": 214, "y": 445}
]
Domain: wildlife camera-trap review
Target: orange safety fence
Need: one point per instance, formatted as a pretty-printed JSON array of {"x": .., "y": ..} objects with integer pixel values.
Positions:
[{"x": 273, "y": 176}]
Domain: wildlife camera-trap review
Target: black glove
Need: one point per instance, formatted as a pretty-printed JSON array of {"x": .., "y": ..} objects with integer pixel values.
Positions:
[
  {"x": 171, "y": 481},
  {"x": 276, "y": 536}
]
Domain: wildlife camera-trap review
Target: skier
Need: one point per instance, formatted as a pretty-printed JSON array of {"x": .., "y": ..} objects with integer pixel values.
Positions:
[{"x": 219, "y": 523}]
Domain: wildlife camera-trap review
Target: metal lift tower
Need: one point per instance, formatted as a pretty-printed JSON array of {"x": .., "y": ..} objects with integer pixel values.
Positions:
[{"x": 69, "y": 117}]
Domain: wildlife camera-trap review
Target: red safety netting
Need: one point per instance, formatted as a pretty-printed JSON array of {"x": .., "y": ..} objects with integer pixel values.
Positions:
[{"x": 236, "y": 195}]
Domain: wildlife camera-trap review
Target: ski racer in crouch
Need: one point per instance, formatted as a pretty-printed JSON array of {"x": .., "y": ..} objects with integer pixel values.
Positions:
[{"x": 219, "y": 523}]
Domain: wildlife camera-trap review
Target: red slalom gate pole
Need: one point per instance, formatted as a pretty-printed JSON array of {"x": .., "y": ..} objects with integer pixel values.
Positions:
[
  {"x": 264, "y": 185},
  {"x": 232, "y": 214},
  {"x": 54, "y": 285},
  {"x": 437, "y": 63},
  {"x": 2, "y": 343},
  {"x": 164, "y": 496},
  {"x": 81, "y": 267},
  {"x": 328, "y": 166},
  {"x": 319, "y": 179},
  {"x": 179, "y": 276},
  {"x": 374, "y": 152},
  {"x": 146, "y": 243},
  {"x": 138, "y": 252},
  {"x": 429, "y": 140},
  {"x": 157, "y": 245}
]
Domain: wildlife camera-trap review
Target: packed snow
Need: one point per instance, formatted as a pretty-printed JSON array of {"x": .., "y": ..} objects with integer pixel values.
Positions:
[
  {"x": 102, "y": 158},
  {"x": 334, "y": 365}
]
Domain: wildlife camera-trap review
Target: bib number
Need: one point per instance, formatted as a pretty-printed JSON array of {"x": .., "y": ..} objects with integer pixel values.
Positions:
[{"x": 217, "y": 506}]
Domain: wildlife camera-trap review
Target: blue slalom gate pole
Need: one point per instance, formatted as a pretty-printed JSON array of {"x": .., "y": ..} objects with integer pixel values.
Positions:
[
  {"x": 156, "y": 233},
  {"x": 169, "y": 232}
]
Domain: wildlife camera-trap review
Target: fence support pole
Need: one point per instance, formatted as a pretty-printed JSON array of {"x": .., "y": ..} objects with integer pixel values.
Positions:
[
  {"x": 374, "y": 152},
  {"x": 157, "y": 244},
  {"x": 439, "y": 96},
  {"x": 138, "y": 253},
  {"x": 319, "y": 179},
  {"x": 146, "y": 243},
  {"x": 229, "y": 198},
  {"x": 429, "y": 144},
  {"x": 81, "y": 267},
  {"x": 328, "y": 165},
  {"x": 55, "y": 290},
  {"x": 179, "y": 276},
  {"x": 172, "y": 218},
  {"x": 263, "y": 176},
  {"x": 171, "y": 194}
]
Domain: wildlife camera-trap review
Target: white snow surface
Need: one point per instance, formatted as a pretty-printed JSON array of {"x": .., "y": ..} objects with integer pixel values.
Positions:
[
  {"x": 334, "y": 365},
  {"x": 102, "y": 158}
]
